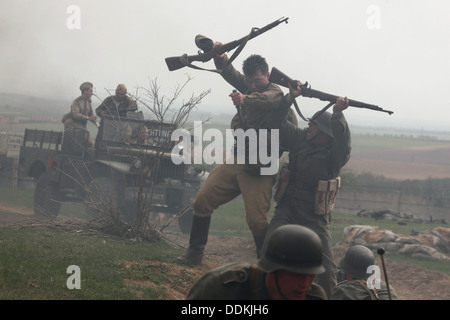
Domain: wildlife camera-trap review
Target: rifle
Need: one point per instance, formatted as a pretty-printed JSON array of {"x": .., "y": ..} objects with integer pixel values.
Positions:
[
  {"x": 381, "y": 251},
  {"x": 278, "y": 77},
  {"x": 175, "y": 63}
]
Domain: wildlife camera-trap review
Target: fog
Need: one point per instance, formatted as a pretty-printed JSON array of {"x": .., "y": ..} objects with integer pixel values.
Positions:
[{"x": 392, "y": 53}]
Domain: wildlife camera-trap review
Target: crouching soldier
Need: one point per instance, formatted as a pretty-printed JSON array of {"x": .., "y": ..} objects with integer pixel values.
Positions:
[
  {"x": 355, "y": 286},
  {"x": 285, "y": 271}
]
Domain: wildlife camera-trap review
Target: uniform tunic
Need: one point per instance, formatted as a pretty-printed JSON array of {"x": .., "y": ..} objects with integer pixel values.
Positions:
[
  {"x": 229, "y": 180},
  {"x": 238, "y": 281},
  {"x": 109, "y": 107},
  {"x": 309, "y": 163},
  {"x": 80, "y": 110},
  {"x": 357, "y": 290}
]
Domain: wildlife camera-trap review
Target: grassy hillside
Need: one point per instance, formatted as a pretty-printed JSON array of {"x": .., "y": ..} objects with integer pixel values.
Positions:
[{"x": 35, "y": 258}]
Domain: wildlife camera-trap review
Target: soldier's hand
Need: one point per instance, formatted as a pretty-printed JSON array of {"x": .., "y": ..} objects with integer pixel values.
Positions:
[
  {"x": 294, "y": 92},
  {"x": 340, "y": 105},
  {"x": 238, "y": 98},
  {"x": 297, "y": 90}
]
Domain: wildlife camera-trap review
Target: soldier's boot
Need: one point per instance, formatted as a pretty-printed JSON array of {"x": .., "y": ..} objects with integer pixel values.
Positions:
[
  {"x": 259, "y": 240},
  {"x": 197, "y": 242}
]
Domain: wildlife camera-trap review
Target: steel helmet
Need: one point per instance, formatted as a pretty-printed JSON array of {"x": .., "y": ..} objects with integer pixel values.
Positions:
[
  {"x": 323, "y": 121},
  {"x": 356, "y": 261},
  {"x": 293, "y": 248}
]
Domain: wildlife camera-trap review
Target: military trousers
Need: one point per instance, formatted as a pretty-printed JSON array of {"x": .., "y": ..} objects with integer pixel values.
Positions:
[
  {"x": 229, "y": 180},
  {"x": 292, "y": 210}
]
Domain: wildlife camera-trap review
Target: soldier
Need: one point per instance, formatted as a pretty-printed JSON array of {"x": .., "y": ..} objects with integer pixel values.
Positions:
[
  {"x": 141, "y": 136},
  {"x": 76, "y": 120},
  {"x": 259, "y": 101},
  {"x": 117, "y": 105},
  {"x": 316, "y": 155},
  {"x": 355, "y": 287},
  {"x": 285, "y": 271}
]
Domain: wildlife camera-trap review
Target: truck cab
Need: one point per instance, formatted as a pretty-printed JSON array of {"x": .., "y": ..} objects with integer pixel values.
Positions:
[{"x": 125, "y": 172}]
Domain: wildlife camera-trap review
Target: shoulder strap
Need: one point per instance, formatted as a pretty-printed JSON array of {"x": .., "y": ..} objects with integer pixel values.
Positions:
[
  {"x": 373, "y": 293},
  {"x": 252, "y": 273}
]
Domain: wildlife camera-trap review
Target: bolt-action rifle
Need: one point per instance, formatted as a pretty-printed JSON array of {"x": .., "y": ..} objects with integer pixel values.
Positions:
[
  {"x": 381, "y": 252},
  {"x": 206, "y": 53},
  {"x": 278, "y": 77}
]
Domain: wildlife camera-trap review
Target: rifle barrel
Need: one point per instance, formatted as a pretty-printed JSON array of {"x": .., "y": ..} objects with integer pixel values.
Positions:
[
  {"x": 278, "y": 77},
  {"x": 311, "y": 93}
]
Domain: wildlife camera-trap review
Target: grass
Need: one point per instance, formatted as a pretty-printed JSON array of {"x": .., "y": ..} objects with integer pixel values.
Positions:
[
  {"x": 34, "y": 265},
  {"x": 34, "y": 261}
]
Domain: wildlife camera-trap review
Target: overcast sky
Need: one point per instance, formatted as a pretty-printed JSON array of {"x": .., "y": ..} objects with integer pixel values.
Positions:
[{"x": 391, "y": 53}]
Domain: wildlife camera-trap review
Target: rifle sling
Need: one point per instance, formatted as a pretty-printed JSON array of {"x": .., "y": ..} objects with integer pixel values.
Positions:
[
  {"x": 300, "y": 113},
  {"x": 296, "y": 105}
]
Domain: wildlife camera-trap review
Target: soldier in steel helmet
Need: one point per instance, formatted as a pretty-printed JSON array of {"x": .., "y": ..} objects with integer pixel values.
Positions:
[
  {"x": 316, "y": 155},
  {"x": 285, "y": 271},
  {"x": 355, "y": 286}
]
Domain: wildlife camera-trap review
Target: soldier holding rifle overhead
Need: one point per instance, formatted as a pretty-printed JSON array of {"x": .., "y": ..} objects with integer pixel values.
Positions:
[
  {"x": 259, "y": 103},
  {"x": 311, "y": 182}
]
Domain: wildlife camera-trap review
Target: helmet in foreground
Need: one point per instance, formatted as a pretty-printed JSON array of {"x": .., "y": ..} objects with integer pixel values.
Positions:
[{"x": 293, "y": 248}]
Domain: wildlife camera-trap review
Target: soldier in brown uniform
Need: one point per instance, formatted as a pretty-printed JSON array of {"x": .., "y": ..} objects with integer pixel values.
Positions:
[
  {"x": 285, "y": 271},
  {"x": 117, "y": 105},
  {"x": 260, "y": 102},
  {"x": 75, "y": 121}
]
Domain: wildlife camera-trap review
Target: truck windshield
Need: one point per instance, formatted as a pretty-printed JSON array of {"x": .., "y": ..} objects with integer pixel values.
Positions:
[{"x": 149, "y": 133}]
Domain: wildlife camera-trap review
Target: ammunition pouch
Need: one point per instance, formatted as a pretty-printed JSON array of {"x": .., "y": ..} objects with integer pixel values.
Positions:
[{"x": 325, "y": 198}]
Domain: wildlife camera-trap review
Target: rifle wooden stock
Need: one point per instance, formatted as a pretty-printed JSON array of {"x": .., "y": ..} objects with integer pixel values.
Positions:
[
  {"x": 175, "y": 63},
  {"x": 278, "y": 77}
]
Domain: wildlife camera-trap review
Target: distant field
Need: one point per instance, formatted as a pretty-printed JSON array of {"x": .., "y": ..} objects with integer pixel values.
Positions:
[
  {"x": 400, "y": 158},
  {"x": 398, "y": 154}
]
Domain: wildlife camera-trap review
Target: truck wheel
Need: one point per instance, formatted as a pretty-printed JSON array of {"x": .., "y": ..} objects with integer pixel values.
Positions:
[
  {"x": 47, "y": 198},
  {"x": 101, "y": 197},
  {"x": 129, "y": 211},
  {"x": 185, "y": 221}
]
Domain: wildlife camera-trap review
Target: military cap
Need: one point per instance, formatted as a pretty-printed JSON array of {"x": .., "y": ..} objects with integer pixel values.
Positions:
[
  {"x": 86, "y": 86},
  {"x": 121, "y": 87}
]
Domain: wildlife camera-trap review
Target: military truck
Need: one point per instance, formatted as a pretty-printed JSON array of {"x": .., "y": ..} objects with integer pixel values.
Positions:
[{"x": 117, "y": 171}]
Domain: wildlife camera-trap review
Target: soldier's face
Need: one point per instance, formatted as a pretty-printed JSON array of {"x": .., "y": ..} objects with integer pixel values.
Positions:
[
  {"x": 88, "y": 93},
  {"x": 257, "y": 82},
  {"x": 313, "y": 131},
  {"x": 120, "y": 95},
  {"x": 315, "y": 135},
  {"x": 143, "y": 134},
  {"x": 293, "y": 285}
]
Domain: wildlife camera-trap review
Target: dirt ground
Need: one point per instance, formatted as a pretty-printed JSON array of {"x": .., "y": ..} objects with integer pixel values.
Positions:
[{"x": 409, "y": 281}]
